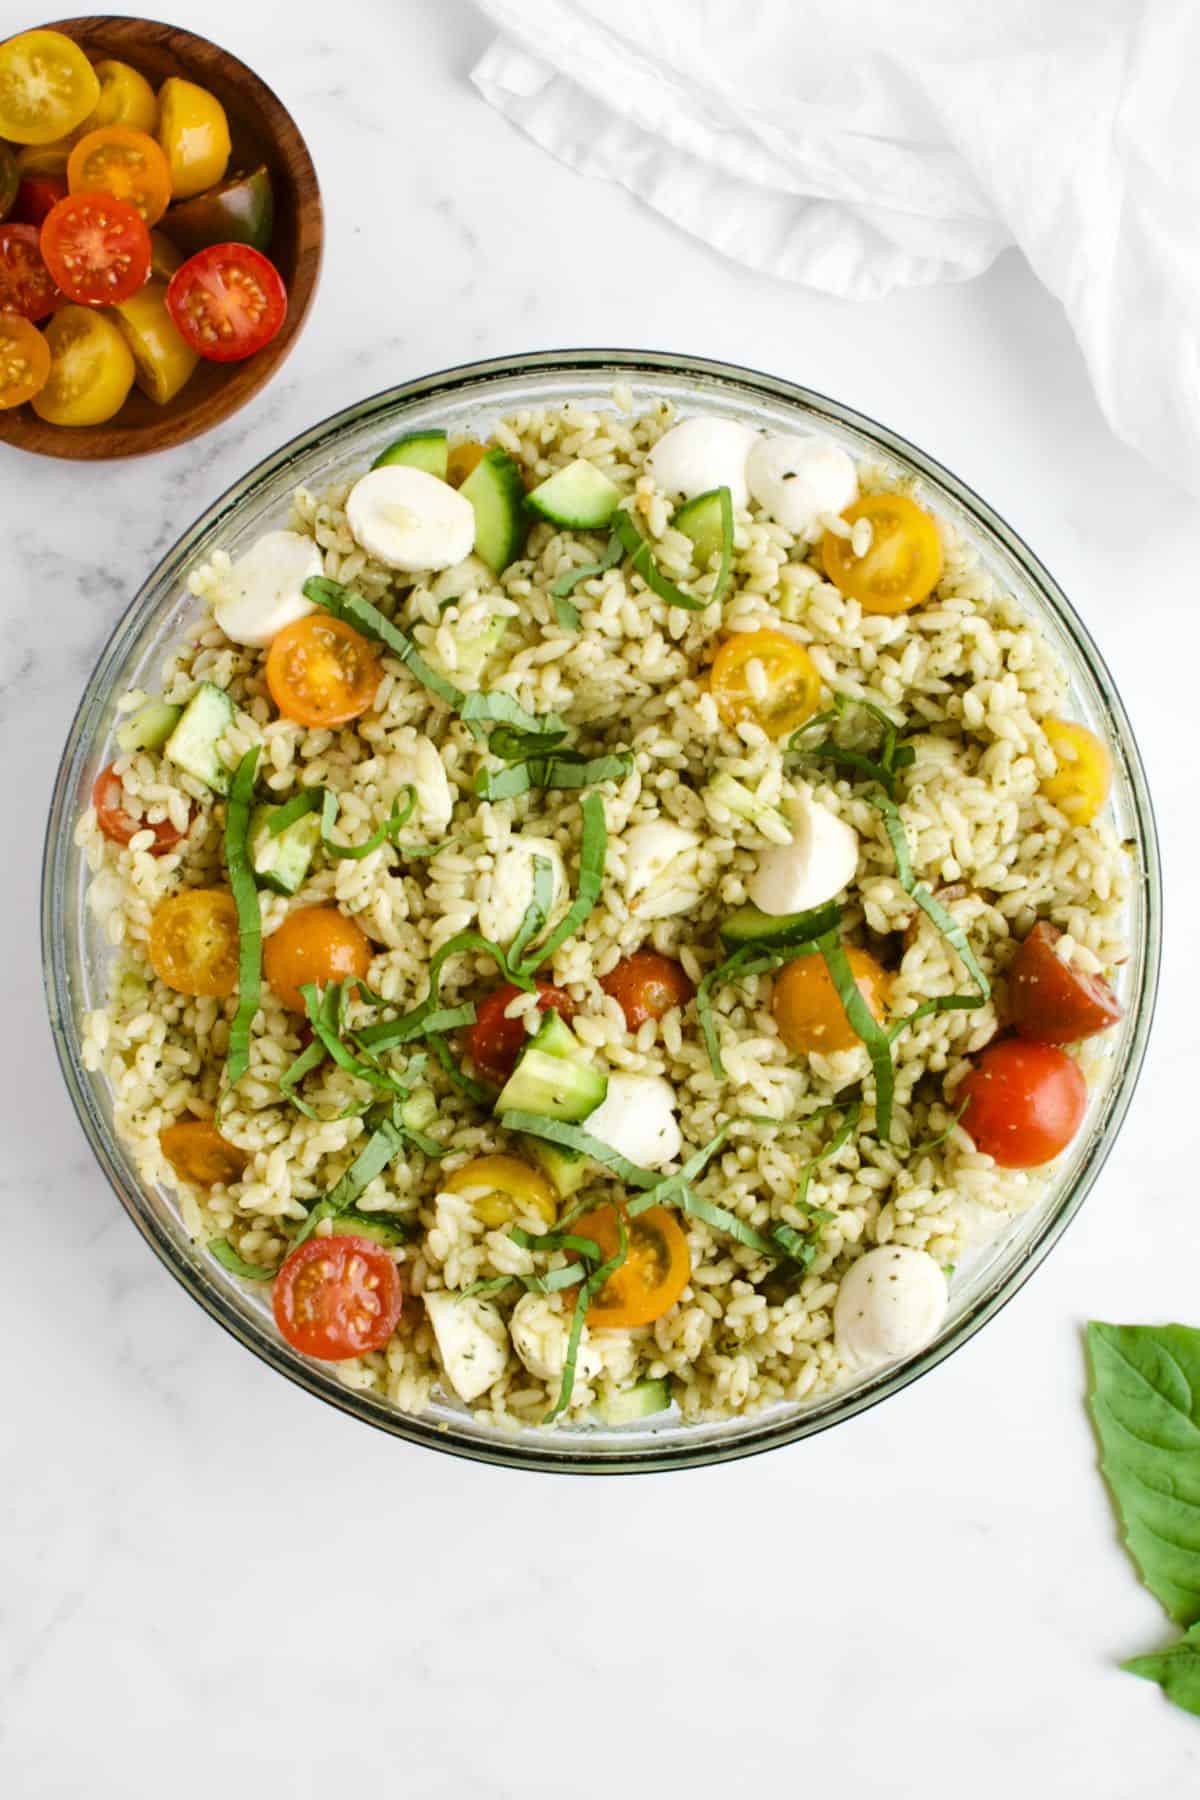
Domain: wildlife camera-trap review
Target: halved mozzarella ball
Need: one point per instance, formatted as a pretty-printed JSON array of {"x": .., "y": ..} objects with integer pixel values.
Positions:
[
  {"x": 637, "y": 1117},
  {"x": 889, "y": 1305},
  {"x": 539, "y": 1333},
  {"x": 660, "y": 857},
  {"x": 820, "y": 861},
  {"x": 410, "y": 520},
  {"x": 509, "y": 889},
  {"x": 416, "y": 762},
  {"x": 264, "y": 590},
  {"x": 471, "y": 1340},
  {"x": 798, "y": 481},
  {"x": 699, "y": 454}
]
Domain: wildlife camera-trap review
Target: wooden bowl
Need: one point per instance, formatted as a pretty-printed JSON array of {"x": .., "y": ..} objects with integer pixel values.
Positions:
[{"x": 263, "y": 131}]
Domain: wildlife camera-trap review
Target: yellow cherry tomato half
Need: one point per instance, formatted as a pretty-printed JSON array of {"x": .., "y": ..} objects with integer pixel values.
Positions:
[
  {"x": 198, "y": 1153},
  {"x": 24, "y": 360},
  {"x": 462, "y": 458},
  {"x": 317, "y": 945},
  {"x": 91, "y": 369},
  {"x": 163, "y": 361},
  {"x": 193, "y": 944},
  {"x": 1079, "y": 786},
  {"x": 194, "y": 134},
  {"x": 321, "y": 672},
  {"x": 47, "y": 87},
  {"x": 806, "y": 1007},
  {"x": 503, "y": 1188},
  {"x": 657, "y": 1266},
  {"x": 767, "y": 678},
  {"x": 125, "y": 162},
  {"x": 902, "y": 564},
  {"x": 126, "y": 98}
]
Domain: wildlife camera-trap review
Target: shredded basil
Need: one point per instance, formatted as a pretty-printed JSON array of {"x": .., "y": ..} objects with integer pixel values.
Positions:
[
  {"x": 566, "y": 614},
  {"x": 306, "y": 801},
  {"x": 867, "y": 1027},
  {"x": 224, "y": 1253},
  {"x": 642, "y": 558},
  {"x": 842, "y": 1135},
  {"x": 572, "y": 1137},
  {"x": 751, "y": 959},
  {"x": 593, "y": 849},
  {"x": 329, "y": 1036},
  {"x": 386, "y": 833},
  {"x": 591, "y": 1286},
  {"x": 343, "y": 603},
  {"x": 384, "y": 1143},
  {"x": 567, "y": 583},
  {"x": 501, "y": 709},
  {"x": 511, "y": 744},
  {"x": 537, "y": 913},
  {"x": 564, "y": 769},
  {"x": 249, "y": 916}
]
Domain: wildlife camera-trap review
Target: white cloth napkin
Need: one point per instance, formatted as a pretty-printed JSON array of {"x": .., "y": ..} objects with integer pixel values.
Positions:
[{"x": 864, "y": 145}]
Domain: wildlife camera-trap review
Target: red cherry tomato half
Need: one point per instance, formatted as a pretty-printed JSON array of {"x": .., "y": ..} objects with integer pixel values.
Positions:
[
  {"x": 36, "y": 196},
  {"x": 97, "y": 248},
  {"x": 26, "y": 284},
  {"x": 227, "y": 301},
  {"x": 1024, "y": 1102},
  {"x": 108, "y": 798},
  {"x": 494, "y": 1042},
  {"x": 1052, "y": 1002},
  {"x": 337, "y": 1297},
  {"x": 647, "y": 986}
]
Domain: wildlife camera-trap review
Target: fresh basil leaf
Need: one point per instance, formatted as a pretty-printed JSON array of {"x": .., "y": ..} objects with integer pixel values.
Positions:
[
  {"x": 642, "y": 557},
  {"x": 387, "y": 832},
  {"x": 306, "y": 801},
  {"x": 566, "y": 614},
  {"x": 573, "y": 1137},
  {"x": 343, "y": 603},
  {"x": 249, "y": 916},
  {"x": 224, "y": 1253},
  {"x": 593, "y": 850},
  {"x": 1177, "y": 1671},
  {"x": 866, "y": 1025},
  {"x": 591, "y": 1286},
  {"x": 568, "y": 582},
  {"x": 384, "y": 1143}
]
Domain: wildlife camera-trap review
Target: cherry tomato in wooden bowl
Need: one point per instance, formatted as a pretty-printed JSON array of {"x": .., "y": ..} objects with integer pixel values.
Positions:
[
  {"x": 314, "y": 946},
  {"x": 1024, "y": 1102},
  {"x": 47, "y": 87},
  {"x": 97, "y": 248},
  {"x": 495, "y": 1042},
  {"x": 24, "y": 360},
  {"x": 108, "y": 798},
  {"x": 337, "y": 1297},
  {"x": 37, "y": 196},
  {"x": 26, "y": 284},
  {"x": 647, "y": 986},
  {"x": 657, "y": 1266},
  {"x": 124, "y": 162},
  {"x": 1051, "y": 1001},
  {"x": 227, "y": 301}
]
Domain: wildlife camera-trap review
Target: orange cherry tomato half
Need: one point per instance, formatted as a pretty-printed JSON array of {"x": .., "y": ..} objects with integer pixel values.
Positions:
[
  {"x": 193, "y": 944},
  {"x": 647, "y": 986},
  {"x": 314, "y": 945},
  {"x": 494, "y": 1042},
  {"x": 97, "y": 248},
  {"x": 198, "y": 1153},
  {"x": 227, "y": 301},
  {"x": 337, "y": 1297},
  {"x": 766, "y": 678},
  {"x": 108, "y": 798},
  {"x": 321, "y": 672},
  {"x": 119, "y": 160},
  {"x": 808, "y": 1011},
  {"x": 36, "y": 196},
  {"x": 26, "y": 284},
  {"x": 1051, "y": 1001},
  {"x": 1024, "y": 1102},
  {"x": 24, "y": 360},
  {"x": 1080, "y": 783},
  {"x": 657, "y": 1266},
  {"x": 901, "y": 566},
  {"x": 462, "y": 458}
]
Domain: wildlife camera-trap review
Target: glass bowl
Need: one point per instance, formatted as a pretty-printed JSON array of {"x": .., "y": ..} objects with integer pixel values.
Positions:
[{"x": 465, "y": 400}]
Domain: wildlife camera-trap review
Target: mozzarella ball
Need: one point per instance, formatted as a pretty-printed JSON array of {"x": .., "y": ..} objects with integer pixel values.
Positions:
[
  {"x": 410, "y": 520},
  {"x": 700, "y": 454},
  {"x": 509, "y": 888},
  {"x": 471, "y": 1340},
  {"x": 799, "y": 480},
  {"x": 637, "y": 1118},
  {"x": 660, "y": 859},
  {"x": 820, "y": 861},
  {"x": 264, "y": 590},
  {"x": 539, "y": 1333},
  {"x": 889, "y": 1306},
  {"x": 416, "y": 762}
]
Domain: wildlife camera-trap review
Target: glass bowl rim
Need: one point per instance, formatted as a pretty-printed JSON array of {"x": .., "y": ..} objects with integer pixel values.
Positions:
[{"x": 650, "y": 1456}]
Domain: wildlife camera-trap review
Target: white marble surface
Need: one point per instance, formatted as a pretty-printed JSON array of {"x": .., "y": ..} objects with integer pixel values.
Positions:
[{"x": 206, "y": 1576}]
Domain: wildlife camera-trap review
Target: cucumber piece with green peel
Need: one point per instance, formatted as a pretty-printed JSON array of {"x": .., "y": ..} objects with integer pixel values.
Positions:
[
  {"x": 581, "y": 497},
  {"x": 496, "y": 491},
  {"x": 552, "y": 1086},
  {"x": 377, "y": 1228},
  {"x": 193, "y": 746},
  {"x": 426, "y": 450},
  {"x": 282, "y": 862},
  {"x": 700, "y": 520},
  {"x": 566, "y": 1170},
  {"x": 641, "y": 1401},
  {"x": 776, "y": 931},
  {"x": 149, "y": 727},
  {"x": 556, "y": 1038}
]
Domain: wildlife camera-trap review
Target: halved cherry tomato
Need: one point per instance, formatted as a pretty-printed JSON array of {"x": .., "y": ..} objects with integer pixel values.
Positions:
[
  {"x": 108, "y": 798},
  {"x": 47, "y": 87},
  {"x": 502, "y": 1188},
  {"x": 24, "y": 360},
  {"x": 320, "y": 670},
  {"x": 647, "y": 986},
  {"x": 193, "y": 944},
  {"x": 198, "y": 1153},
  {"x": 228, "y": 301},
  {"x": 164, "y": 361},
  {"x": 1079, "y": 786},
  {"x": 126, "y": 98},
  {"x": 37, "y": 196},
  {"x": 194, "y": 134},
  {"x": 766, "y": 678},
  {"x": 903, "y": 564},
  {"x": 125, "y": 162},
  {"x": 26, "y": 284},
  {"x": 1051, "y": 1001},
  {"x": 1024, "y": 1102},
  {"x": 808, "y": 1011},
  {"x": 462, "y": 459},
  {"x": 91, "y": 369},
  {"x": 316, "y": 944},
  {"x": 337, "y": 1297},
  {"x": 10, "y": 179},
  {"x": 494, "y": 1042},
  {"x": 97, "y": 248},
  {"x": 655, "y": 1272}
]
